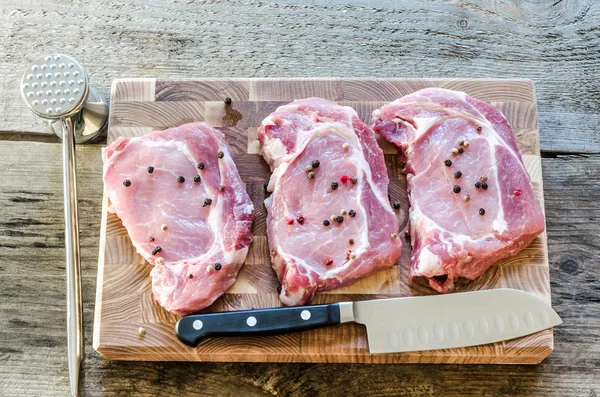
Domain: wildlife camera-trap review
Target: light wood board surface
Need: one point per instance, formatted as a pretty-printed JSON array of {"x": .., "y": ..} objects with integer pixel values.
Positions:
[{"x": 124, "y": 298}]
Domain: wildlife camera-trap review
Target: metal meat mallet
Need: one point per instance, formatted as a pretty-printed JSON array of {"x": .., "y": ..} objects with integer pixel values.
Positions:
[{"x": 56, "y": 88}]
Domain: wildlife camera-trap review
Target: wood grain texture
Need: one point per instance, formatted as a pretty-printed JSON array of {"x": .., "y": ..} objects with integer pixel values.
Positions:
[
  {"x": 124, "y": 299},
  {"x": 33, "y": 347},
  {"x": 554, "y": 43}
]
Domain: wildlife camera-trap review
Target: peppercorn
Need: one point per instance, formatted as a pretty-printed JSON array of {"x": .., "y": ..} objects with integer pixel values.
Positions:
[
  {"x": 481, "y": 211},
  {"x": 352, "y": 256},
  {"x": 150, "y": 169},
  {"x": 483, "y": 179},
  {"x": 156, "y": 250},
  {"x": 127, "y": 182},
  {"x": 209, "y": 268},
  {"x": 448, "y": 163},
  {"x": 460, "y": 143},
  {"x": 484, "y": 186},
  {"x": 466, "y": 197},
  {"x": 207, "y": 202},
  {"x": 279, "y": 289},
  {"x": 151, "y": 239},
  {"x": 190, "y": 275},
  {"x": 456, "y": 189},
  {"x": 454, "y": 151},
  {"x": 311, "y": 175},
  {"x": 329, "y": 262},
  {"x": 315, "y": 163},
  {"x": 479, "y": 128},
  {"x": 351, "y": 241},
  {"x": 221, "y": 188},
  {"x": 300, "y": 220},
  {"x": 227, "y": 101},
  {"x": 218, "y": 266},
  {"x": 290, "y": 221},
  {"x": 344, "y": 178},
  {"x": 466, "y": 144},
  {"x": 354, "y": 180},
  {"x": 309, "y": 168},
  {"x": 142, "y": 331},
  {"x": 220, "y": 154},
  {"x": 164, "y": 227},
  {"x": 326, "y": 223},
  {"x": 197, "y": 179},
  {"x": 477, "y": 185},
  {"x": 343, "y": 212},
  {"x": 181, "y": 179},
  {"x": 345, "y": 146},
  {"x": 352, "y": 213},
  {"x": 394, "y": 235},
  {"x": 159, "y": 261},
  {"x": 334, "y": 185},
  {"x": 460, "y": 150},
  {"x": 332, "y": 217},
  {"x": 396, "y": 204},
  {"x": 200, "y": 166},
  {"x": 457, "y": 174},
  {"x": 339, "y": 219}
]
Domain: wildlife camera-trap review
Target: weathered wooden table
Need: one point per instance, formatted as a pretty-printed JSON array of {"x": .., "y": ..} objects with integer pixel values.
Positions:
[{"x": 555, "y": 43}]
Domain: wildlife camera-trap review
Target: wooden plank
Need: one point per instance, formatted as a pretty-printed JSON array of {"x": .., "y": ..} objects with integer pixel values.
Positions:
[
  {"x": 554, "y": 44},
  {"x": 126, "y": 301},
  {"x": 33, "y": 347}
]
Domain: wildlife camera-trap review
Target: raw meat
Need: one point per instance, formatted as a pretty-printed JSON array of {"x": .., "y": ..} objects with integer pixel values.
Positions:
[
  {"x": 203, "y": 243},
  {"x": 311, "y": 248},
  {"x": 472, "y": 202}
]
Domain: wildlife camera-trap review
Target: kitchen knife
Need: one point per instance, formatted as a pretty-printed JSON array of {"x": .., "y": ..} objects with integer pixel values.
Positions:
[{"x": 393, "y": 325}]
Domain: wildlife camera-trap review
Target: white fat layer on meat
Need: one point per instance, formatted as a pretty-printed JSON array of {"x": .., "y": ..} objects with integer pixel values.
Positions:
[{"x": 429, "y": 263}]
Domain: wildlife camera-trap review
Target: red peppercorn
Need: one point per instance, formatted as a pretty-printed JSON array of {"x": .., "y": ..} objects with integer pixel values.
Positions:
[
  {"x": 290, "y": 221},
  {"x": 518, "y": 192},
  {"x": 344, "y": 178},
  {"x": 329, "y": 262}
]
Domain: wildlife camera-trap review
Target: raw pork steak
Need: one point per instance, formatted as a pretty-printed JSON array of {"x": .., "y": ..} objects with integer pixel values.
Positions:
[
  {"x": 179, "y": 195},
  {"x": 329, "y": 220},
  {"x": 471, "y": 199}
]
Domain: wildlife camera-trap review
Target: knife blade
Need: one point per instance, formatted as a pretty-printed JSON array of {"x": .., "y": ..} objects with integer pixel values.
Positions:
[{"x": 393, "y": 325}]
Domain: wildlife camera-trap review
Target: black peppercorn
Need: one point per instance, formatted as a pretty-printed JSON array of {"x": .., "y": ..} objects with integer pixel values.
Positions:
[
  {"x": 200, "y": 166},
  {"x": 484, "y": 186},
  {"x": 207, "y": 202},
  {"x": 311, "y": 175},
  {"x": 479, "y": 129},
  {"x": 227, "y": 101},
  {"x": 197, "y": 178},
  {"x": 220, "y": 154},
  {"x": 448, "y": 163},
  {"x": 127, "y": 182},
  {"x": 150, "y": 169},
  {"x": 315, "y": 164},
  {"x": 156, "y": 250},
  {"x": 457, "y": 174},
  {"x": 352, "y": 213},
  {"x": 339, "y": 219},
  {"x": 396, "y": 204},
  {"x": 460, "y": 150},
  {"x": 351, "y": 241},
  {"x": 354, "y": 180},
  {"x": 481, "y": 211},
  {"x": 456, "y": 189},
  {"x": 218, "y": 266},
  {"x": 181, "y": 179},
  {"x": 326, "y": 223},
  {"x": 334, "y": 185},
  {"x": 477, "y": 185}
]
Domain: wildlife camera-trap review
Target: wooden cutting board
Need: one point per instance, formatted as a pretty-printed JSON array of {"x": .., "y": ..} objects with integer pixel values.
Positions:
[{"x": 124, "y": 301}]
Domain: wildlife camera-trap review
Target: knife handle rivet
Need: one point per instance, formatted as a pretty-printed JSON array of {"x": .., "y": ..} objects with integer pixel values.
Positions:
[
  {"x": 305, "y": 314},
  {"x": 251, "y": 321},
  {"x": 197, "y": 324}
]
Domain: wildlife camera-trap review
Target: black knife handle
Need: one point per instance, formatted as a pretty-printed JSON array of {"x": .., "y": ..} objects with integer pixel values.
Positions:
[{"x": 191, "y": 329}]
